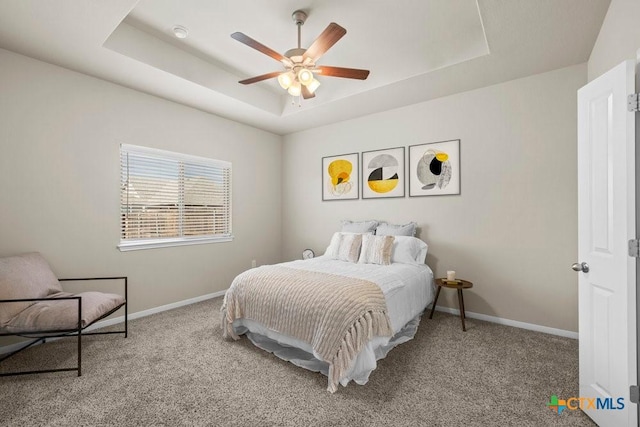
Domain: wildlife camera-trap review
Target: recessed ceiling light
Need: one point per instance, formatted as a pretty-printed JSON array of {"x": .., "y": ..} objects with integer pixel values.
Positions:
[{"x": 180, "y": 32}]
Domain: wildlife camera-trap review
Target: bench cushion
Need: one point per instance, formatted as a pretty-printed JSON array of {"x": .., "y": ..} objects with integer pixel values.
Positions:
[
  {"x": 63, "y": 315},
  {"x": 24, "y": 276}
]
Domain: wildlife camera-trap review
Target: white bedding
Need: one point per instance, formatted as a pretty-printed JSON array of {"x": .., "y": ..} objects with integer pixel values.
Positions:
[{"x": 407, "y": 288}]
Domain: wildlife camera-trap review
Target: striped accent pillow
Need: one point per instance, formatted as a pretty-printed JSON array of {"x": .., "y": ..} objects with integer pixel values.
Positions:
[
  {"x": 349, "y": 248},
  {"x": 376, "y": 249}
]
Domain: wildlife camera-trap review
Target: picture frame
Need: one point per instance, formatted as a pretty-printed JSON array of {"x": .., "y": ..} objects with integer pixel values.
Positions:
[
  {"x": 383, "y": 173},
  {"x": 340, "y": 177},
  {"x": 434, "y": 168}
]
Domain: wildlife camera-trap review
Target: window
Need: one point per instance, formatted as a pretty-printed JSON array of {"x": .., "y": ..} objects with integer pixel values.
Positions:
[{"x": 169, "y": 199}]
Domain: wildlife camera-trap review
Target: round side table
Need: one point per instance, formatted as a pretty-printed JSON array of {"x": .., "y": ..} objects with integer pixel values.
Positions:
[{"x": 458, "y": 284}]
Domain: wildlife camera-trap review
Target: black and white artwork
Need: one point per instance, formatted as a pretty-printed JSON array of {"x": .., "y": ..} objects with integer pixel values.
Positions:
[{"x": 383, "y": 173}]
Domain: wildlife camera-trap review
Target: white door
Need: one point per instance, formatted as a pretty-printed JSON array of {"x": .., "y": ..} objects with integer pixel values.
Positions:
[{"x": 606, "y": 222}]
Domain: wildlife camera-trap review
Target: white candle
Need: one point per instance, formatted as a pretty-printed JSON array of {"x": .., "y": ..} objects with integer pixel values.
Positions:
[{"x": 451, "y": 275}]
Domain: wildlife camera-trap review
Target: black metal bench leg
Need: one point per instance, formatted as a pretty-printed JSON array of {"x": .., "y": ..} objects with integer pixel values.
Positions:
[
  {"x": 80, "y": 337},
  {"x": 126, "y": 308}
]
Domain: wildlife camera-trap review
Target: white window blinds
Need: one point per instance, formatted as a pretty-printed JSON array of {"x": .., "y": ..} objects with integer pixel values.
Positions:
[{"x": 169, "y": 198}]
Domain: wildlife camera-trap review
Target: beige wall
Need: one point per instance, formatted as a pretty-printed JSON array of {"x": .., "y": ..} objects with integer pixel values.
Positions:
[
  {"x": 619, "y": 37},
  {"x": 513, "y": 229},
  {"x": 59, "y": 181}
]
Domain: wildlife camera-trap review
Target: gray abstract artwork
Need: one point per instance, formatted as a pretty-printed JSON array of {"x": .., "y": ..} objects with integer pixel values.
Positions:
[{"x": 434, "y": 170}]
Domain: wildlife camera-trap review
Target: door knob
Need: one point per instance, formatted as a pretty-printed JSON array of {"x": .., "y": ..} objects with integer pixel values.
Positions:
[{"x": 583, "y": 266}]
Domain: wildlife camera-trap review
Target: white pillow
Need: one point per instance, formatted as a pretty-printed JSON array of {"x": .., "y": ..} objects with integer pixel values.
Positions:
[
  {"x": 334, "y": 245},
  {"x": 359, "y": 227},
  {"x": 409, "y": 250},
  {"x": 385, "y": 229},
  {"x": 376, "y": 249}
]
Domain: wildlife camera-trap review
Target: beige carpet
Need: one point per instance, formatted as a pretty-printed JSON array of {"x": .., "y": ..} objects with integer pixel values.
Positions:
[{"x": 176, "y": 370}]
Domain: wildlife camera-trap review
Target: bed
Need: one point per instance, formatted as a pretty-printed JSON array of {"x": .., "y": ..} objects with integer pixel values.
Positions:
[{"x": 397, "y": 293}]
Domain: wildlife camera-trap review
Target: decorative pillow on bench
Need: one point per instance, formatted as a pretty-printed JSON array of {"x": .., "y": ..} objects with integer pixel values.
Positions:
[
  {"x": 29, "y": 276},
  {"x": 63, "y": 315},
  {"x": 24, "y": 276}
]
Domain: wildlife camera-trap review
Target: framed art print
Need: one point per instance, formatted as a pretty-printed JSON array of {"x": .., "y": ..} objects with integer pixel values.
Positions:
[
  {"x": 383, "y": 173},
  {"x": 434, "y": 168},
  {"x": 340, "y": 177}
]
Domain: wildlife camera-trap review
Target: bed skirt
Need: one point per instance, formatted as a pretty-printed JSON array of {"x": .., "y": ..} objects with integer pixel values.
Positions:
[{"x": 286, "y": 348}]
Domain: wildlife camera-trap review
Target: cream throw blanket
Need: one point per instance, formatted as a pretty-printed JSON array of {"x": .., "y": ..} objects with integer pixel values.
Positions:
[{"x": 336, "y": 315}]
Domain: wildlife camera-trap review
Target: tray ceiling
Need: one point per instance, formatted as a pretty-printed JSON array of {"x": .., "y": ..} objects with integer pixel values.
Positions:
[{"x": 416, "y": 49}]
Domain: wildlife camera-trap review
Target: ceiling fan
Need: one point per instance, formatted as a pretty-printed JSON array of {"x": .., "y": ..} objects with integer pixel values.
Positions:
[{"x": 300, "y": 64}]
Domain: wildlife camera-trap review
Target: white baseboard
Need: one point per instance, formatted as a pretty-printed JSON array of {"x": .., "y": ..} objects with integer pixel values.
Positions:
[
  {"x": 155, "y": 310},
  {"x": 472, "y": 315},
  {"x": 508, "y": 322},
  {"x": 114, "y": 321}
]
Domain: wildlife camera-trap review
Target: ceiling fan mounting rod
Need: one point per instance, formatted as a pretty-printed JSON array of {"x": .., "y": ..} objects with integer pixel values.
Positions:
[{"x": 299, "y": 17}]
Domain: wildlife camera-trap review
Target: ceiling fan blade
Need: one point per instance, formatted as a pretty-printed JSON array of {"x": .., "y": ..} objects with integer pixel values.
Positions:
[
  {"x": 306, "y": 93},
  {"x": 325, "y": 40},
  {"x": 260, "y": 78},
  {"x": 347, "y": 73},
  {"x": 245, "y": 39}
]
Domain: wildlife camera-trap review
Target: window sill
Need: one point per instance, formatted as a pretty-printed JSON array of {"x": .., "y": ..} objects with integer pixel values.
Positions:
[{"x": 135, "y": 245}]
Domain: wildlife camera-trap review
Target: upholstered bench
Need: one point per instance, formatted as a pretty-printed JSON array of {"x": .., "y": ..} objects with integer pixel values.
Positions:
[{"x": 34, "y": 305}]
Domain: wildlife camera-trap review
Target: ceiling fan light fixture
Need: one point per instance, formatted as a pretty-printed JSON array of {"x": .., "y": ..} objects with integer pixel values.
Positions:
[
  {"x": 285, "y": 80},
  {"x": 305, "y": 76},
  {"x": 300, "y": 63},
  {"x": 295, "y": 89},
  {"x": 313, "y": 85}
]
